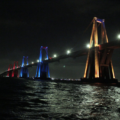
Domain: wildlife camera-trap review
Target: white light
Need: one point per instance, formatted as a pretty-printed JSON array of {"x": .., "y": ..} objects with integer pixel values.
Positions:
[
  {"x": 37, "y": 60},
  {"x": 55, "y": 55},
  {"x": 52, "y": 78},
  {"x": 32, "y": 62},
  {"x": 68, "y": 51},
  {"x": 46, "y": 59},
  {"x": 119, "y": 36},
  {"x": 88, "y": 45}
]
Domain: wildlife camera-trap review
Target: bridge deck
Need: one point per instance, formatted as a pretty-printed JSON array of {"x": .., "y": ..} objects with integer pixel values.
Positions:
[{"x": 111, "y": 45}]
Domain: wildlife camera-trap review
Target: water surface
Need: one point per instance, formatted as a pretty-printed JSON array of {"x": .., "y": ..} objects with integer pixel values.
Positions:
[{"x": 37, "y": 100}]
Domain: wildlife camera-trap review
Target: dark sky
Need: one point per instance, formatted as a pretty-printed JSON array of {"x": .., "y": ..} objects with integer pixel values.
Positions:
[{"x": 25, "y": 25}]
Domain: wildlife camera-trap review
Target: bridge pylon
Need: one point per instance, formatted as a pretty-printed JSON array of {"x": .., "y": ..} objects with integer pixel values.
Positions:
[
  {"x": 99, "y": 64},
  {"x": 42, "y": 67},
  {"x": 24, "y": 70},
  {"x": 9, "y": 73},
  {"x": 15, "y": 72}
]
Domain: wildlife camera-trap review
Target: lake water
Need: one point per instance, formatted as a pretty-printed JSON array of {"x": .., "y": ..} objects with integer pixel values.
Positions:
[{"x": 38, "y": 100}]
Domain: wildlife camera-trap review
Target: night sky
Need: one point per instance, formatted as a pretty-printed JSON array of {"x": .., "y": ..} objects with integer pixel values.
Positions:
[{"x": 25, "y": 25}]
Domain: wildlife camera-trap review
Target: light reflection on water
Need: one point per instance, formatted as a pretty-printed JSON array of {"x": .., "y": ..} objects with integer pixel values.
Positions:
[{"x": 28, "y": 99}]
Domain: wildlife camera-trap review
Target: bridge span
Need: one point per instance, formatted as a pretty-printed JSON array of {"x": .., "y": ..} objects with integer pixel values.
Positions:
[
  {"x": 98, "y": 64},
  {"x": 111, "y": 45}
]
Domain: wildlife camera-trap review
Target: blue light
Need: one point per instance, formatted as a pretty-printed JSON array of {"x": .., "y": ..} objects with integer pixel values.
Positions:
[
  {"x": 27, "y": 60},
  {"x": 24, "y": 70},
  {"x": 23, "y": 61},
  {"x": 42, "y": 67}
]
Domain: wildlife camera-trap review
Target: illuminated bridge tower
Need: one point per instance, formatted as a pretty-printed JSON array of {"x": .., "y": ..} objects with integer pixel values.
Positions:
[
  {"x": 24, "y": 70},
  {"x": 42, "y": 67},
  {"x": 99, "y": 64},
  {"x": 15, "y": 72},
  {"x": 9, "y": 74}
]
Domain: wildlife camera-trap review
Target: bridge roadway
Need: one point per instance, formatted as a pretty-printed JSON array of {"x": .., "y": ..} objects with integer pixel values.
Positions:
[{"x": 111, "y": 45}]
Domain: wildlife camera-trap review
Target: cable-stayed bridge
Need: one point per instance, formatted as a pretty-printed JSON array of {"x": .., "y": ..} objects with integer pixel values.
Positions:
[{"x": 98, "y": 65}]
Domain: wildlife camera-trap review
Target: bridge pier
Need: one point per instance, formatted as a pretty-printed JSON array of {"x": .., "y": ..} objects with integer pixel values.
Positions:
[
  {"x": 9, "y": 73},
  {"x": 15, "y": 72},
  {"x": 24, "y": 70},
  {"x": 42, "y": 68},
  {"x": 99, "y": 63}
]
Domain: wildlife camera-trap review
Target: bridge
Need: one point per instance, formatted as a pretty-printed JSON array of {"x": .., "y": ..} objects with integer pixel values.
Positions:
[{"x": 98, "y": 65}]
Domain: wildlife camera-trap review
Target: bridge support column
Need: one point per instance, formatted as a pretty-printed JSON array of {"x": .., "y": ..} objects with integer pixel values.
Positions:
[
  {"x": 99, "y": 63},
  {"x": 42, "y": 67},
  {"x": 9, "y": 74},
  {"x": 15, "y": 72},
  {"x": 24, "y": 70}
]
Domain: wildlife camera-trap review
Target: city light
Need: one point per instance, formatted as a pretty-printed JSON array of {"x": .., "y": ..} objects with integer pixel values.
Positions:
[
  {"x": 55, "y": 55},
  {"x": 37, "y": 60},
  {"x": 32, "y": 62},
  {"x": 119, "y": 36},
  {"x": 88, "y": 45},
  {"x": 68, "y": 51}
]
